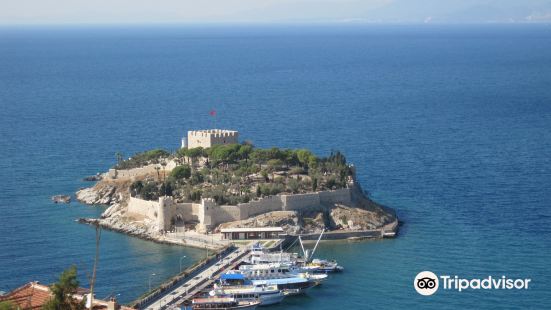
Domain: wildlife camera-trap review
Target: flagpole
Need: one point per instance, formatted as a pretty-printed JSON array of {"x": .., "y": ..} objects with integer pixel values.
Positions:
[{"x": 213, "y": 114}]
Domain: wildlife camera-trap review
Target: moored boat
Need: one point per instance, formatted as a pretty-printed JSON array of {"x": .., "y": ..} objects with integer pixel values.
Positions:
[
  {"x": 266, "y": 294},
  {"x": 322, "y": 265},
  {"x": 223, "y": 303}
]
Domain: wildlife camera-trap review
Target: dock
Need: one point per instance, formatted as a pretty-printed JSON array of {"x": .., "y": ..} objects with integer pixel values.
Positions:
[{"x": 177, "y": 295}]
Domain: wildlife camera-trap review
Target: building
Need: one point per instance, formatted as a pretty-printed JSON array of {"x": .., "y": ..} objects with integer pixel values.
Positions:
[
  {"x": 33, "y": 295},
  {"x": 251, "y": 233},
  {"x": 209, "y": 137}
]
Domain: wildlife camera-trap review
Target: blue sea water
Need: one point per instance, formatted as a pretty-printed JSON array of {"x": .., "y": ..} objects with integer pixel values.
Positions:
[{"x": 449, "y": 125}]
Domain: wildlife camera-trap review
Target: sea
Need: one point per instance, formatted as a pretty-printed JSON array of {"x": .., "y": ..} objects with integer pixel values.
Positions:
[{"x": 450, "y": 125}]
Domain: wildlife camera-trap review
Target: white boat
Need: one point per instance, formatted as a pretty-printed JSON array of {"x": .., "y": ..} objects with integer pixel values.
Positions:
[
  {"x": 322, "y": 265},
  {"x": 266, "y": 294},
  {"x": 289, "y": 282},
  {"x": 259, "y": 255},
  {"x": 223, "y": 303},
  {"x": 277, "y": 271}
]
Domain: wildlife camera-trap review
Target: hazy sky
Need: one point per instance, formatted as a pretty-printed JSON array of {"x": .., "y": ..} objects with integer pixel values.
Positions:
[{"x": 208, "y": 11}]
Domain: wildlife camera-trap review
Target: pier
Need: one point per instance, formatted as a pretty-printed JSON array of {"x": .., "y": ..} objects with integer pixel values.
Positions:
[{"x": 186, "y": 288}]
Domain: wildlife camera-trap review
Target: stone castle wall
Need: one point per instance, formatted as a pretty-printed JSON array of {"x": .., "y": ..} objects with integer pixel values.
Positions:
[
  {"x": 301, "y": 202},
  {"x": 209, "y": 215},
  {"x": 146, "y": 208}
]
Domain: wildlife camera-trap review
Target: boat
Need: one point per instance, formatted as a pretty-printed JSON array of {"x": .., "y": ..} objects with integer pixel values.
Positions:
[
  {"x": 259, "y": 255},
  {"x": 277, "y": 271},
  {"x": 289, "y": 283},
  {"x": 223, "y": 303},
  {"x": 322, "y": 265},
  {"x": 266, "y": 294},
  {"x": 289, "y": 286}
]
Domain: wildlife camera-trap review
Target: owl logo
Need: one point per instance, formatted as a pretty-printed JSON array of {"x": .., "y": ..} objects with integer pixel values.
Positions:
[{"x": 426, "y": 283}]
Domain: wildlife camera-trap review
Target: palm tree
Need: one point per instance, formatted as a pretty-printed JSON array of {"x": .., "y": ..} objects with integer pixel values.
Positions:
[
  {"x": 164, "y": 163},
  {"x": 119, "y": 157},
  {"x": 158, "y": 174}
]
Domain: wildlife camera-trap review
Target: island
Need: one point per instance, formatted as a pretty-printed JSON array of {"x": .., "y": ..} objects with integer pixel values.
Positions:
[{"x": 214, "y": 183}]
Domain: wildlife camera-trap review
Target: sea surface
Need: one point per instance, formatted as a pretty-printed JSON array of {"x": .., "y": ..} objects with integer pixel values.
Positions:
[{"x": 449, "y": 125}]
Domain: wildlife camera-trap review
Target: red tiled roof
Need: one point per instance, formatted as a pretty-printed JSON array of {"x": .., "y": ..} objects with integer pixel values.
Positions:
[
  {"x": 29, "y": 296},
  {"x": 32, "y": 296}
]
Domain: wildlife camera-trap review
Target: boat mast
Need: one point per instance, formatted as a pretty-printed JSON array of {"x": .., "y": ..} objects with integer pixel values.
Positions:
[
  {"x": 302, "y": 246},
  {"x": 317, "y": 242}
]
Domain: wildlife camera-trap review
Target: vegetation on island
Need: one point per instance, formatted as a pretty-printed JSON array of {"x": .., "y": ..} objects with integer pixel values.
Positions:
[
  {"x": 237, "y": 173},
  {"x": 140, "y": 159}
]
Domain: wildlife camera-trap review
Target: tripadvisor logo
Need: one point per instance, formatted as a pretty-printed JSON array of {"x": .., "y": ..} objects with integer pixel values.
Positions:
[{"x": 426, "y": 283}]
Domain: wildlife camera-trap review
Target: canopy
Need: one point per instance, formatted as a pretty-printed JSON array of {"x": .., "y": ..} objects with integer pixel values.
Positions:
[{"x": 232, "y": 276}]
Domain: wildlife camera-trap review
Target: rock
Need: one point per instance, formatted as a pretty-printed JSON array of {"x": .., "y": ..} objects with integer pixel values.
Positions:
[
  {"x": 314, "y": 224},
  {"x": 104, "y": 194},
  {"x": 114, "y": 210},
  {"x": 344, "y": 217},
  {"x": 61, "y": 198},
  {"x": 93, "y": 178}
]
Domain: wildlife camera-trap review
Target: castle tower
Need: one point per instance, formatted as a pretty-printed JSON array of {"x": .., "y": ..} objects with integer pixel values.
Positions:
[
  {"x": 163, "y": 213},
  {"x": 209, "y": 137},
  {"x": 205, "y": 214}
]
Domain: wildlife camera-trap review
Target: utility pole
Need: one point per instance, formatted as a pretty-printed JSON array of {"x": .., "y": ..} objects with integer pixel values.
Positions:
[{"x": 96, "y": 259}]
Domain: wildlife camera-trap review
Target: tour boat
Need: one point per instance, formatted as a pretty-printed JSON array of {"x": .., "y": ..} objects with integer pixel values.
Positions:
[
  {"x": 277, "y": 271},
  {"x": 291, "y": 283},
  {"x": 266, "y": 294},
  {"x": 223, "y": 303}
]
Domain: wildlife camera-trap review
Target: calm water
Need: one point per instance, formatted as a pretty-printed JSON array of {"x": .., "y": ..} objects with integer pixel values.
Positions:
[{"x": 449, "y": 125}]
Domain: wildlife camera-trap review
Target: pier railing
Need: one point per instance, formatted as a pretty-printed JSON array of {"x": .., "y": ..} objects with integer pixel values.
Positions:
[{"x": 151, "y": 296}]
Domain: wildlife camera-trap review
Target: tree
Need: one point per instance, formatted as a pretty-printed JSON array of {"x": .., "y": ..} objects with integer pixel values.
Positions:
[
  {"x": 136, "y": 188},
  {"x": 303, "y": 157},
  {"x": 150, "y": 191},
  {"x": 194, "y": 153},
  {"x": 141, "y": 159},
  {"x": 245, "y": 151},
  {"x": 293, "y": 185},
  {"x": 119, "y": 157},
  {"x": 163, "y": 164},
  {"x": 181, "y": 172},
  {"x": 63, "y": 290},
  {"x": 157, "y": 168},
  {"x": 275, "y": 164}
]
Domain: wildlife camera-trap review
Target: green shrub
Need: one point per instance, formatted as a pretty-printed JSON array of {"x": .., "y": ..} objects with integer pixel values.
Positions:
[
  {"x": 142, "y": 159},
  {"x": 181, "y": 172},
  {"x": 293, "y": 186}
]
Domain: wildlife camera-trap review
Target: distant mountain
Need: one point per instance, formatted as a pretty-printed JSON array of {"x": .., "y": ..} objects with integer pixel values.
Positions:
[{"x": 463, "y": 11}]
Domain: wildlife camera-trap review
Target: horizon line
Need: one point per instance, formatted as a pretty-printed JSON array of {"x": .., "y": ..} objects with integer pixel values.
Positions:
[{"x": 275, "y": 23}]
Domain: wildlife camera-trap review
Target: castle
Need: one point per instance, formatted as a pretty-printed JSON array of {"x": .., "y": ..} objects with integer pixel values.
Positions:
[
  {"x": 168, "y": 214},
  {"x": 209, "y": 137}
]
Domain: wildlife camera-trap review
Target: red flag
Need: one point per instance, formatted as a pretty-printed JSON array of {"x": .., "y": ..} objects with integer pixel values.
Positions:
[{"x": 212, "y": 112}]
